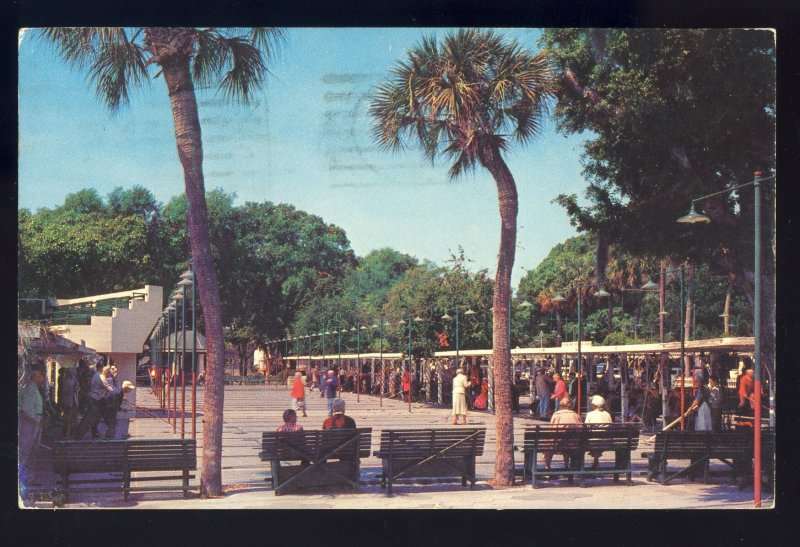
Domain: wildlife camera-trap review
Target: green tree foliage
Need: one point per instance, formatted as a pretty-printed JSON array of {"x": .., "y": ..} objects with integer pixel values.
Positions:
[
  {"x": 674, "y": 115},
  {"x": 68, "y": 253},
  {"x": 572, "y": 262},
  {"x": 671, "y": 115},
  {"x": 358, "y": 296},
  {"x": 269, "y": 258},
  {"x": 83, "y": 202},
  {"x": 392, "y": 286}
]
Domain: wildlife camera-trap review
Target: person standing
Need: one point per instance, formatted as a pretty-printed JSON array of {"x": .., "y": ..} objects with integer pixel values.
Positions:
[
  {"x": 68, "y": 399},
  {"x": 746, "y": 387},
  {"x": 560, "y": 391},
  {"x": 31, "y": 410},
  {"x": 460, "y": 387},
  {"x": 84, "y": 376},
  {"x": 98, "y": 390},
  {"x": 544, "y": 389},
  {"x": 299, "y": 393},
  {"x": 715, "y": 401},
  {"x": 329, "y": 386},
  {"x": 703, "y": 420},
  {"x": 406, "y": 385},
  {"x": 126, "y": 410}
]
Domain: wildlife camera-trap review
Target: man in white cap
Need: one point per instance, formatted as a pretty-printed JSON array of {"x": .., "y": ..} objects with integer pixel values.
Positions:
[{"x": 598, "y": 415}]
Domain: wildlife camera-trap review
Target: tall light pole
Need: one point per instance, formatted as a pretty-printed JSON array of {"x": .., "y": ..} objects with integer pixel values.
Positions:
[
  {"x": 383, "y": 367},
  {"x": 191, "y": 278},
  {"x": 601, "y": 293},
  {"x": 182, "y": 284},
  {"x": 694, "y": 217},
  {"x": 447, "y": 318},
  {"x": 411, "y": 321}
]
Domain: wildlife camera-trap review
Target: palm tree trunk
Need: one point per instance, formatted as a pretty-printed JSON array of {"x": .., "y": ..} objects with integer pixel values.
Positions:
[
  {"x": 190, "y": 152},
  {"x": 501, "y": 353}
]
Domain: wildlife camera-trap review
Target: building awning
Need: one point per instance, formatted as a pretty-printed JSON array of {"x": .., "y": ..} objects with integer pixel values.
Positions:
[{"x": 43, "y": 342}]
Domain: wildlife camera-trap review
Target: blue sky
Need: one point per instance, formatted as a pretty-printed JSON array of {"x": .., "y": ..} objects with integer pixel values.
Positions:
[{"x": 306, "y": 141}]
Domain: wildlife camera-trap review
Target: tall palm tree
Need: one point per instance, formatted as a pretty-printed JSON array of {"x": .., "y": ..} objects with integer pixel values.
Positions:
[
  {"x": 118, "y": 59},
  {"x": 467, "y": 99}
]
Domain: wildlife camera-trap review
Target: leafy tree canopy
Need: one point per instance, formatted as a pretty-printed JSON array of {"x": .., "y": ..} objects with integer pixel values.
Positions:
[{"x": 672, "y": 115}]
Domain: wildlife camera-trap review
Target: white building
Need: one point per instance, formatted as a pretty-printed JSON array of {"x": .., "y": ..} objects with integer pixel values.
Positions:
[{"x": 121, "y": 332}]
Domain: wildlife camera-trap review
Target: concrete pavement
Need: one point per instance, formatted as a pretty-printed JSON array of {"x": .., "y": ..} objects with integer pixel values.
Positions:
[{"x": 249, "y": 410}]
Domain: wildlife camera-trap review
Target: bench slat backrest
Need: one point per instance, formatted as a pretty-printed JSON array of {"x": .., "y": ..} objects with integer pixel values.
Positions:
[
  {"x": 296, "y": 445},
  {"x": 723, "y": 443},
  {"x": 563, "y": 437},
  {"x": 135, "y": 455},
  {"x": 613, "y": 436},
  {"x": 425, "y": 442}
]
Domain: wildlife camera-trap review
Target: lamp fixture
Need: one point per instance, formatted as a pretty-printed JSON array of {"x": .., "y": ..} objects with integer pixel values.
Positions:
[
  {"x": 693, "y": 217},
  {"x": 650, "y": 286}
]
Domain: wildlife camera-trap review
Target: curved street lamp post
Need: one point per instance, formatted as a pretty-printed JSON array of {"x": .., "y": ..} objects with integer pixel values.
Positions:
[{"x": 694, "y": 217}]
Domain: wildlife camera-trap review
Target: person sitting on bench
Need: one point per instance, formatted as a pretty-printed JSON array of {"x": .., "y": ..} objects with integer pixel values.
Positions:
[
  {"x": 289, "y": 421},
  {"x": 598, "y": 415},
  {"x": 338, "y": 420},
  {"x": 564, "y": 416}
]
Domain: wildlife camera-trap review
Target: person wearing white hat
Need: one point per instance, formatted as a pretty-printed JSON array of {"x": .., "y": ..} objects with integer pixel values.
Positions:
[
  {"x": 598, "y": 415},
  {"x": 460, "y": 386},
  {"x": 127, "y": 409}
]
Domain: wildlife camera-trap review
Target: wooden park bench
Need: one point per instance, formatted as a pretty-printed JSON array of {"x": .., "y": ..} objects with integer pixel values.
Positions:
[
  {"x": 245, "y": 380},
  {"x": 122, "y": 458},
  {"x": 575, "y": 441},
  {"x": 430, "y": 453},
  {"x": 308, "y": 459},
  {"x": 733, "y": 447}
]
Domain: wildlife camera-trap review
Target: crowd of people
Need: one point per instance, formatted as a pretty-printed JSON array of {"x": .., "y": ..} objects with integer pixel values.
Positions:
[
  {"x": 90, "y": 398},
  {"x": 549, "y": 382}
]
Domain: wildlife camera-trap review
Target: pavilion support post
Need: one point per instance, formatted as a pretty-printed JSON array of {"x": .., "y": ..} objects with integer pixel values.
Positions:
[
  {"x": 665, "y": 381},
  {"x": 623, "y": 389},
  {"x": 490, "y": 393}
]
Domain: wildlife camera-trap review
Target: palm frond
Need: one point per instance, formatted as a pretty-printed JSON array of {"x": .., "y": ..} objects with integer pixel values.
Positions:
[
  {"x": 208, "y": 62},
  {"x": 246, "y": 72},
  {"x": 470, "y": 90},
  {"x": 268, "y": 39},
  {"x": 113, "y": 63},
  {"x": 117, "y": 68},
  {"x": 78, "y": 45}
]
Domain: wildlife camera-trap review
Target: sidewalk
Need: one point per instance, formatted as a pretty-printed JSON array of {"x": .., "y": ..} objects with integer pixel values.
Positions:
[{"x": 250, "y": 410}]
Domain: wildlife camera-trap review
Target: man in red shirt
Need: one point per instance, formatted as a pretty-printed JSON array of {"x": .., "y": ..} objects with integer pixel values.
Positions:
[
  {"x": 338, "y": 420},
  {"x": 560, "y": 390},
  {"x": 746, "y": 385}
]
